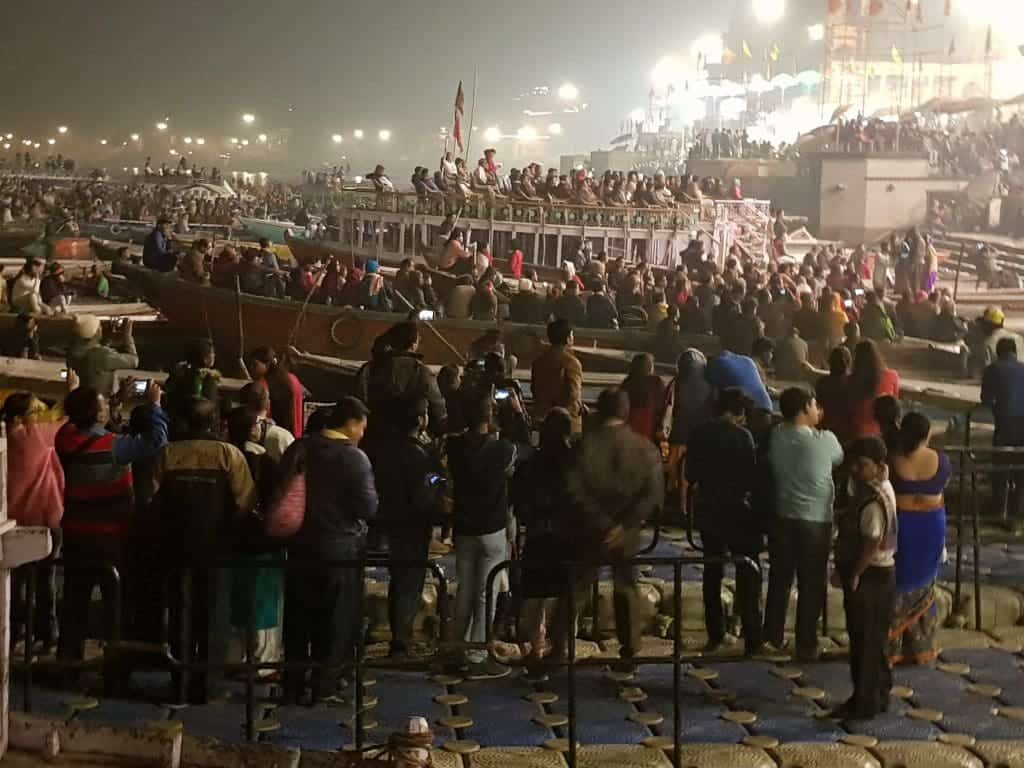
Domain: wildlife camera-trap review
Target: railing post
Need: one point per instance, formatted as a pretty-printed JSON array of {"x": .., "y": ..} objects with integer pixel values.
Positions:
[
  {"x": 677, "y": 715},
  {"x": 571, "y": 669}
]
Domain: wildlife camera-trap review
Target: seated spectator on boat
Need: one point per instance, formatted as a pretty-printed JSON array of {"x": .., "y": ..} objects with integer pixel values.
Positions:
[
  {"x": 570, "y": 306},
  {"x": 287, "y": 394},
  {"x": 484, "y": 304},
  {"x": 373, "y": 292},
  {"x": 515, "y": 260},
  {"x": 875, "y": 323},
  {"x": 526, "y": 190},
  {"x": 454, "y": 257},
  {"x": 482, "y": 182},
  {"x": 302, "y": 283},
  {"x": 380, "y": 180},
  {"x": 193, "y": 264},
  {"x": 335, "y": 274},
  {"x": 53, "y": 290},
  {"x": 526, "y": 305},
  {"x": 460, "y": 299},
  {"x": 947, "y": 327},
  {"x": 601, "y": 311},
  {"x": 25, "y": 289},
  {"x": 226, "y": 267},
  {"x": 661, "y": 195},
  {"x": 157, "y": 253}
]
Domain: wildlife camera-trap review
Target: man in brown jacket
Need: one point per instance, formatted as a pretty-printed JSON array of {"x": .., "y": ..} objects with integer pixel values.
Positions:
[{"x": 558, "y": 377}]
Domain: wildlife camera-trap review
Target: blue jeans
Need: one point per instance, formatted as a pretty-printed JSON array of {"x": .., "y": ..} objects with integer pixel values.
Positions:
[{"x": 475, "y": 558}]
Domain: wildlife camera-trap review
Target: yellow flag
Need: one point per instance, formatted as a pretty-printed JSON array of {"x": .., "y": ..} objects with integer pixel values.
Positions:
[
  {"x": 774, "y": 52},
  {"x": 897, "y": 57},
  {"x": 746, "y": 50}
]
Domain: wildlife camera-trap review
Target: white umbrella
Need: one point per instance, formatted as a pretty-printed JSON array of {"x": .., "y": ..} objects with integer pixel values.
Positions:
[
  {"x": 758, "y": 84},
  {"x": 783, "y": 81},
  {"x": 809, "y": 77}
]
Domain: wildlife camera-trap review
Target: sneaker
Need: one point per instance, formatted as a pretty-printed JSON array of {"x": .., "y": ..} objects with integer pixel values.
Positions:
[{"x": 487, "y": 670}]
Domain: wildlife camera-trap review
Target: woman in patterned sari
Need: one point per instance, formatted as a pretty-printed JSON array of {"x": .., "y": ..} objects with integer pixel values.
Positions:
[{"x": 919, "y": 477}]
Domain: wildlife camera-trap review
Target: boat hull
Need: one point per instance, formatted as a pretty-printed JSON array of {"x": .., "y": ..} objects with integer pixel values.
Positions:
[
  {"x": 344, "y": 332},
  {"x": 274, "y": 231}
]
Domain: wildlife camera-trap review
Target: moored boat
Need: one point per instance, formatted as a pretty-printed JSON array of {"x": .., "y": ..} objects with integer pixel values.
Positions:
[{"x": 273, "y": 230}]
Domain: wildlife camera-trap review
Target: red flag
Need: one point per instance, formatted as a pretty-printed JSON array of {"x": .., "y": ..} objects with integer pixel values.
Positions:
[
  {"x": 920, "y": 12},
  {"x": 949, "y": 7},
  {"x": 460, "y": 103},
  {"x": 988, "y": 41},
  {"x": 910, "y": 6},
  {"x": 876, "y": 7},
  {"x": 835, "y": 6}
]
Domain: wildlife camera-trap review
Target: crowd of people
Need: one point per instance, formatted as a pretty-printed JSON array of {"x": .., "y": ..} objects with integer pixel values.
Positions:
[{"x": 155, "y": 481}]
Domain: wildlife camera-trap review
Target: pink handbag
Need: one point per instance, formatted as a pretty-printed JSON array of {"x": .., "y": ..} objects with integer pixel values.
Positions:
[{"x": 285, "y": 516}]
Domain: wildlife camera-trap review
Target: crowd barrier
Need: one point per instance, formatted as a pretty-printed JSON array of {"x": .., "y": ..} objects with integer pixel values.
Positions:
[{"x": 571, "y": 663}]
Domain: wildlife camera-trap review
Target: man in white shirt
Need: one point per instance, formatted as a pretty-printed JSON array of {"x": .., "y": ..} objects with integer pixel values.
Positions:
[
  {"x": 25, "y": 294},
  {"x": 448, "y": 167}
]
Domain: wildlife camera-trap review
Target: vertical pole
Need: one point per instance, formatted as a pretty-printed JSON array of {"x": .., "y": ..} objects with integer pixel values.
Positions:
[
  {"x": 959, "y": 266},
  {"x": 571, "y": 671},
  {"x": 472, "y": 112},
  {"x": 358, "y": 649},
  {"x": 677, "y": 715},
  {"x": 977, "y": 554}
]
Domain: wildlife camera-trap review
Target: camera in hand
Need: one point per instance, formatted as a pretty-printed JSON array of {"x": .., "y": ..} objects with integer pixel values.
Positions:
[
  {"x": 140, "y": 387},
  {"x": 502, "y": 394}
]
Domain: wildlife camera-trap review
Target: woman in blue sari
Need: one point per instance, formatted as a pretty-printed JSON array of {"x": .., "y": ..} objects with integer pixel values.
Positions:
[{"x": 919, "y": 477}]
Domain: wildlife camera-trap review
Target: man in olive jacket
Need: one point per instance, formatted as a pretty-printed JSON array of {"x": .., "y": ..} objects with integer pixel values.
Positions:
[{"x": 558, "y": 377}]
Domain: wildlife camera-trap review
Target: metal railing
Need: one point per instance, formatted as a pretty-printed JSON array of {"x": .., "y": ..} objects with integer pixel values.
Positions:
[
  {"x": 116, "y": 647},
  {"x": 571, "y": 663}
]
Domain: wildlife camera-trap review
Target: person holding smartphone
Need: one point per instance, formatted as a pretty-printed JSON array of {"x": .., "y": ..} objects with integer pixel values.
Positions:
[{"x": 94, "y": 361}]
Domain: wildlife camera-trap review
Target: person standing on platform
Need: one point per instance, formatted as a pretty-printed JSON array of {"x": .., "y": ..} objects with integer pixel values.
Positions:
[
  {"x": 802, "y": 460},
  {"x": 557, "y": 380},
  {"x": 866, "y": 567},
  {"x": 321, "y": 616},
  {"x": 1002, "y": 390},
  {"x": 721, "y": 464},
  {"x": 619, "y": 484}
]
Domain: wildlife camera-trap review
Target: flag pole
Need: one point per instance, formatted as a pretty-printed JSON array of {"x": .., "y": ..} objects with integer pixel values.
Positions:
[{"x": 472, "y": 111}]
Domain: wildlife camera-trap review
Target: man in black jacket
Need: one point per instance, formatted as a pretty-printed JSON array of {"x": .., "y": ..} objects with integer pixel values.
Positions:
[
  {"x": 721, "y": 468},
  {"x": 323, "y": 606},
  {"x": 397, "y": 375},
  {"x": 408, "y": 474}
]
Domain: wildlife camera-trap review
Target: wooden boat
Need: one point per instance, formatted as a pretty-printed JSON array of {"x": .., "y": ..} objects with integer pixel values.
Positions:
[
  {"x": 197, "y": 310},
  {"x": 275, "y": 231}
]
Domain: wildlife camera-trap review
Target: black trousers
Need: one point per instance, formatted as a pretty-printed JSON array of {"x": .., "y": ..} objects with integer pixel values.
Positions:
[
  {"x": 194, "y": 594},
  {"x": 323, "y": 615},
  {"x": 82, "y": 554},
  {"x": 44, "y": 610},
  {"x": 868, "y": 617},
  {"x": 729, "y": 537},
  {"x": 406, "y": 586},
  {"x": 797, "y": 548}
]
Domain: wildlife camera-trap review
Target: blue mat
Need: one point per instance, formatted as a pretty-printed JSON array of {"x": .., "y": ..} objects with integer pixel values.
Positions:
[
  {"x": 892, "y": 726},
  {"x": 786, "y": 728},
  {"x": 500, "y": 719},
  {"x": 309, "y": 728},
  {"x": 45, "y": 702},
  {"x": 401, "y": 695}
]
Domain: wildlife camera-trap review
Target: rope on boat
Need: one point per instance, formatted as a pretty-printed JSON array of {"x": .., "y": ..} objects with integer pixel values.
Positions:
[{"x": 345, "y": 346}]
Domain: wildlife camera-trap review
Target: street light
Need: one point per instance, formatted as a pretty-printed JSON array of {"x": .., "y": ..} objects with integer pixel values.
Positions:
[
  {"x": 62, "y": 129},
  {"x": 234, "y": 140},
  {"x": 337, "y": 138},
  {"x": 492, "y": 134},
  {"x": 248, "y": 119},
  {"x": 568, "y": 92},
  {"x": 134, "y": 137},
  {"x": 384, "y": 134},
  {"x": 262, "y": 138},
  {"x": 816, "y": 32},
  {"x": 769, "y": 11},
  {"x": 51, "y": 142},
  {"x": 188, "y": 139},
  {"x": 245, "y": 142},
  {"x": 200, "y": 141},
  {"x": 161, "y": 126},
  {"x": 555, "y": 129},
  {"x": 103, "y": 142},
  {"x": 358, "y": 133}
]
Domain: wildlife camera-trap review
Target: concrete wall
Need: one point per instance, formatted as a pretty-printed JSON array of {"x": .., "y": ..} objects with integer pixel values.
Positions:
[{"x": 863, "y": 198}]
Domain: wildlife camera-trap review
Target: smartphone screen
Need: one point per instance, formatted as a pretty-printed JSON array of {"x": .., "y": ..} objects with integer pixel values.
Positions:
[{"x": 140, "y": 386}]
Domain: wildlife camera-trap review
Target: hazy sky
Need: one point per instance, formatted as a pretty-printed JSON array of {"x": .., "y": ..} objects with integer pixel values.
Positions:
[{"x": 113, "y": 66}]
